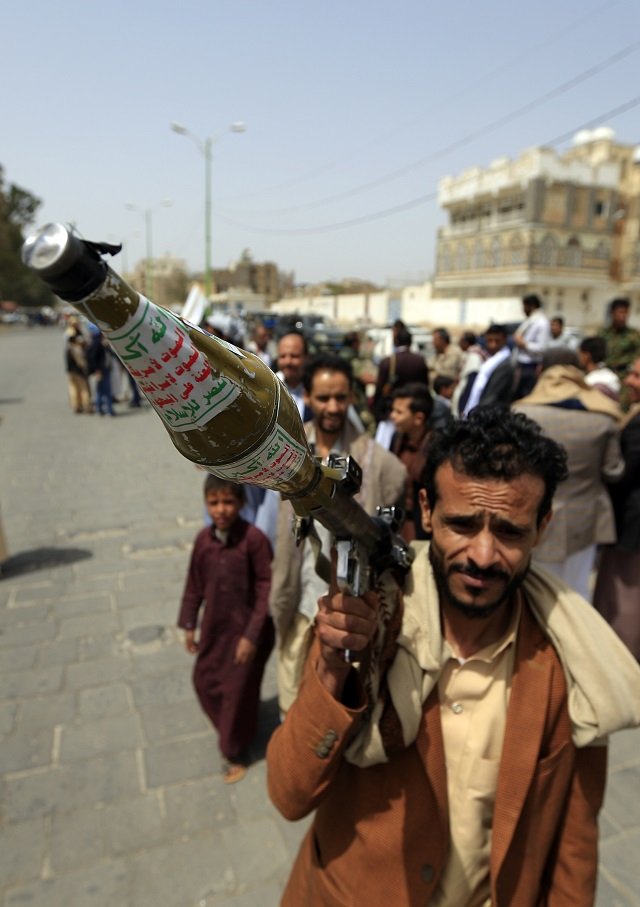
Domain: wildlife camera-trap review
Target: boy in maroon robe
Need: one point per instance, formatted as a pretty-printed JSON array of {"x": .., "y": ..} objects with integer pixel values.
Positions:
[{"x": 230, "y": 573}]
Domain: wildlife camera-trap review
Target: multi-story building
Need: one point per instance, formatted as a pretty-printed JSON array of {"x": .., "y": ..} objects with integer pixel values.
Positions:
[
  {"x": 565, "y": 226},
  {"x": 261, "y": 278},
  {"x": 163, "y": 279}
]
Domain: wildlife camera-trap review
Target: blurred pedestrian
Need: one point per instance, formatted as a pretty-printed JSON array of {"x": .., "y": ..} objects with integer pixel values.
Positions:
[
  {"x": 230, "y": 574},
  {"x": 292, "y": 355},
  {"x": 135, "y": 400},
  {"x": 474, "y": 355},
  {"x": 259, "y": 344},
  {"x": 364, "y": 374},
  {"x": 296, "y": 586},
  {"x": 100, "y": 362},
  {"x": 623, "y": 342},
  {"x": 560, "y": 337},
  {"x": 585, "y": 422},
  {"x": 617, "y": 592},
  {"x": 592, "y": 355},
  {"x": 530, "y": 340},
  {"x": 493, "y": 384},
  {"x": 401, "y": 367},
  {"x": 443, "y": 388},
  {"x": 411, "y": 411},
  {"x": 449, "y": 356},
  {"x": 75, "y": 355}
]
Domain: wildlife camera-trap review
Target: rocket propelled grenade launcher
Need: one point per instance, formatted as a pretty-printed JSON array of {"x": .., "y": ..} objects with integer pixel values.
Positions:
[{"x": 223, "y": 407}]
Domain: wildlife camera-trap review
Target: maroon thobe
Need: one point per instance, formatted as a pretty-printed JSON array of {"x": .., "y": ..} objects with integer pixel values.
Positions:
[{"x": 233, "y": 579}]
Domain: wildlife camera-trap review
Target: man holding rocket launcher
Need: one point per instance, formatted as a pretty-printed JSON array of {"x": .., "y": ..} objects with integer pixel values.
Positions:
[{"x": 462, "y": 761}]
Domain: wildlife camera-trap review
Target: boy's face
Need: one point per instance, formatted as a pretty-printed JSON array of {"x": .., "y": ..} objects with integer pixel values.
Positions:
[
  {"x": 403, "y": 419},
  {"x": 223, "y": 507}
]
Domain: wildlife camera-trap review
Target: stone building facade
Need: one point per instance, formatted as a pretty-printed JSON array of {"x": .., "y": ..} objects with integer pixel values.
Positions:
[
  {"x": 261, "y": 278},
  {"x": 565, "y": 226}
]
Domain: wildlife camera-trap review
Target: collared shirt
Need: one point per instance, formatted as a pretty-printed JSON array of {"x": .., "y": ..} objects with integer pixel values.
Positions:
[
  {"x": 474, "y": 696},
  {"x": 296, "y": 392},
  {"x": 536, "y": 333}
]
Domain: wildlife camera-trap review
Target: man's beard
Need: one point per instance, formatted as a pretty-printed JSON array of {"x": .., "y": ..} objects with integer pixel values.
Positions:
[
  {"x": 333, "y": 426},
  {"x": 441, "y": 577}
]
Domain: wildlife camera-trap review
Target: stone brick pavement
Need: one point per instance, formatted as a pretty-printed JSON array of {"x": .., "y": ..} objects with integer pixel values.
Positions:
[{"x": 111, "y": 793}]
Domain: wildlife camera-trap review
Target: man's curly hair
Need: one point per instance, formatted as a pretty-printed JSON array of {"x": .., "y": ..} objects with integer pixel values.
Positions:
[{"x": 496, "y": 443}]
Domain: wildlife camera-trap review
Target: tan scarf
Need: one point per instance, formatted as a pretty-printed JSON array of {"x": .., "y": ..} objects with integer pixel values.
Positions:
[
  {"x": 603, "y": 678},
  {"x": 566, "y": 382}
]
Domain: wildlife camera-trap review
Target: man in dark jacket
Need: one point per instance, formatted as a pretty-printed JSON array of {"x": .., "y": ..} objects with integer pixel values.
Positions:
[
  {"x": 493, "y": 383},
  {"x": 402, "y": 367}
]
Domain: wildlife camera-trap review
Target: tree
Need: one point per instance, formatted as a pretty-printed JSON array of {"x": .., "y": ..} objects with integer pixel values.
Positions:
[{"x": 17, "y": 212}]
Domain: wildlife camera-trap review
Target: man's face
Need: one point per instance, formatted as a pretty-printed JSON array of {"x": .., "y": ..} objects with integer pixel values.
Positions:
[
  {"x": 556, "y": 327},
  {"x": 632, "y": 381},
  {"x": 483, "y": 533},
  {"x": 494, "y": 342},
  {"x": 403, "y": 419},
  {"x": 291, "y": 359},
  {"x": 439, "y": 343},
  {"x": 329, "y": 400},
  {"x": 619, "y": 317},
  {"x": 261, "y": 337}
]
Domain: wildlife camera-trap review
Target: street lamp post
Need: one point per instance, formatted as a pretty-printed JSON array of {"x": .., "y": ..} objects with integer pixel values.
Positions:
[
  {"x": 206, "y": 147},
  {"x": 147, "y": 215}
]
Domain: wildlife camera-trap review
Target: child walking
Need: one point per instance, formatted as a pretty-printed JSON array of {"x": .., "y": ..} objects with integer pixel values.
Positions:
[{"x": 230, "y": 573}]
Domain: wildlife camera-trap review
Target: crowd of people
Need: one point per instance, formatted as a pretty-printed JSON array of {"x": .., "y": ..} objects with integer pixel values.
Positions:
[
  {"x": 474, "y": 721},
  {"x": 95, "y": 377},
  {"x": 578, "y": 396}
]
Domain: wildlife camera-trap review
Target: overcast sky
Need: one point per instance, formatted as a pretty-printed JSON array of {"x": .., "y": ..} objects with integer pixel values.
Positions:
[{"x": 354, "y": 111}]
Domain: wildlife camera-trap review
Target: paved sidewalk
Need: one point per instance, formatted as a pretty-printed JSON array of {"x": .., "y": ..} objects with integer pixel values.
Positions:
[{"x": 111, "y": 788}]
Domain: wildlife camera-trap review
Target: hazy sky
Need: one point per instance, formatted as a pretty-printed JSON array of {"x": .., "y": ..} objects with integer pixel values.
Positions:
[{"x": 352, "y": 109}]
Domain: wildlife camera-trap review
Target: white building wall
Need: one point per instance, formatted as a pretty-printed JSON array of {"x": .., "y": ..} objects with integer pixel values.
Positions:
[
  {"x": 415, "y": 302},
  {"x": 536, "y": 162}
]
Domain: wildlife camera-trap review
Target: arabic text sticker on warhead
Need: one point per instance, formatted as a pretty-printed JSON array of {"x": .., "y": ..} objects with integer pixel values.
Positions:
[{"x": 172, "y": 373}]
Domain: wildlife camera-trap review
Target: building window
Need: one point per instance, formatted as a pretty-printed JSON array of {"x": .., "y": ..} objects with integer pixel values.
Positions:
[
  {"x": 462, "y": 258},
  {"x": 601, "y": 251},
  {"x": 446, "y": 258},
  {"x": 516, "y": 250},
  {"x": 600, "y": 208},
  {"x": 478, "y": 255},
  {"x": 547, "y": 251},
  {"x": 496, "y": 252},
  {"x": 573, "y": 254}
]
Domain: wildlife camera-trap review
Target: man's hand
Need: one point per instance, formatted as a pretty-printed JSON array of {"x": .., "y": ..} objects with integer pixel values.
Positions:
[
  {"x": 245, "y": 651},
  {"x": 190, "y": 643},
  {"x": 519, "y": 342},
  {"x": 343, "y": 622}
]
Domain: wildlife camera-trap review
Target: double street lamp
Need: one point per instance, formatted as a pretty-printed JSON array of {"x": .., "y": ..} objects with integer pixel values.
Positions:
[
  {"x": 148, "y": 270},
  {"x": 205, "y": 147}
]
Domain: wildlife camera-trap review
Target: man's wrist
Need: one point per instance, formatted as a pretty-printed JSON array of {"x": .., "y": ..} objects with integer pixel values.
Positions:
[{"x": 332, "y": 673}]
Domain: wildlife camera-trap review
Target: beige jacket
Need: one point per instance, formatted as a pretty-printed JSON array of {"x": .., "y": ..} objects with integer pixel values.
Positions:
[{"x": 582, "y": 509}]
